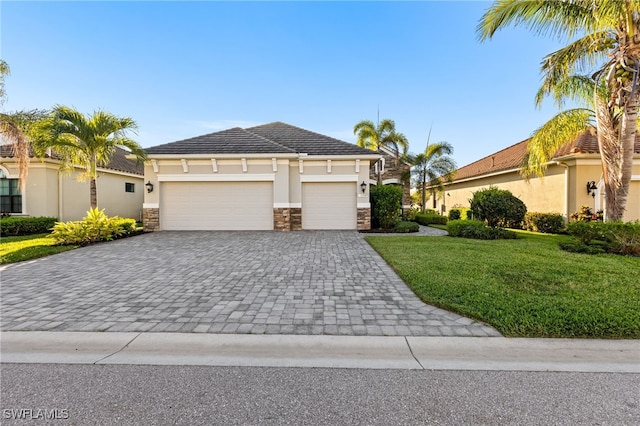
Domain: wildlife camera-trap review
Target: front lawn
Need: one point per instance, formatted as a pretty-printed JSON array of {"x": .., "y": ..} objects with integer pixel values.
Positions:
[
  {"x": 526, "y": 287},
  {"x": 17, "y": 249}
]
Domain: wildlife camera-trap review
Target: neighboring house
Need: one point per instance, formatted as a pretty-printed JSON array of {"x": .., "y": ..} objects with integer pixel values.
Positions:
[
  {"x": 563, "y": 189},
  {"x": 270, "y": 177},
  {"x": 395, "y": 171},
  {"x": 50, "y": 192}
]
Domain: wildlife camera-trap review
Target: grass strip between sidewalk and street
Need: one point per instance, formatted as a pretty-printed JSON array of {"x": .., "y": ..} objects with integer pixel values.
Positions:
[
  {"x": 18, "y": 249},
  {"x": 526, "y": 287}
]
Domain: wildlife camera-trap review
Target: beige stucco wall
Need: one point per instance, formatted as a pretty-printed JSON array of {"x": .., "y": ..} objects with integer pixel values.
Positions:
[
  {"x": 49, "y": 192},
  {"x": 547, "y": 194},
  {"x": 539, "y": 194},
  {"x": 287, "y": 177}
]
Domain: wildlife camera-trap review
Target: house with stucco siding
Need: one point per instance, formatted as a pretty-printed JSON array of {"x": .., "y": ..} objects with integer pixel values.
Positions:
[
  {"x": 270, "y": 177},
  {"x": 562, "y": 189}
]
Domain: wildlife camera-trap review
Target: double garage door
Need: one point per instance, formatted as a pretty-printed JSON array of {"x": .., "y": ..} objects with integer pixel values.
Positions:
[{"x": 249, "y": 205}]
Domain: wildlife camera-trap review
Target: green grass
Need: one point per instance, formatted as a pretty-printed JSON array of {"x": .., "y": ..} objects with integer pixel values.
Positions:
[
  {"x": 18, "y": 249},
  {"x": 526, "y": 287}
]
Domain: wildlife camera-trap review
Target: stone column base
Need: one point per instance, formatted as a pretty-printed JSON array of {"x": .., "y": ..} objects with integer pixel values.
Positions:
[
  {"x": 281, "y": 219},
  {"x": 296, "y": 219},
  {"x": 151, "y": 220},
  {"x": 364, "y": 219}
]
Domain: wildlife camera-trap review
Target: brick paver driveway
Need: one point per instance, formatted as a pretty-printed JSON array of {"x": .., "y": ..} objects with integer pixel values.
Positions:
[{"x": 311, "y": 282}]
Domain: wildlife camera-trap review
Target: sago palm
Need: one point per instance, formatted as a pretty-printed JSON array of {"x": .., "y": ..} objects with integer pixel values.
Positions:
[
  {"x": 434, "y": 167},
  {"x": 384, "y": 134},
  {"x": 86, "y": 141},
  {"x": 600, "y": 63}
]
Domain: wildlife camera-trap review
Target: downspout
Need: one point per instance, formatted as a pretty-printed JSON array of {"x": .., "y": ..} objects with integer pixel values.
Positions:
[{"x": 566, "y": 190}]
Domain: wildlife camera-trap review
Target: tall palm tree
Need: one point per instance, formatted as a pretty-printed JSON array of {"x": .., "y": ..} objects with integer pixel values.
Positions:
[
  {"x": 375, "y": 137},
  {"x": 86, "y": 141},
  {"x": 434, "y": 167},
  {"x": 608, "y": 48}
]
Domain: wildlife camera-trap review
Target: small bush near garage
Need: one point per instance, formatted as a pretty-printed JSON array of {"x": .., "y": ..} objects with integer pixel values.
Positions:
[
  {"x": 386, "y": 206},
  {"x": 404, "y": 227},
  {"x": 477, "y": 230},
  {"x": 586, "y": 214},
  {"x": 430, "y": 219},
  {"x": 93, "y": 228},
  {"x": 12, "y": 226},
  {"x": 498, "y": 208},
  {"x": 548, "y": 223}
]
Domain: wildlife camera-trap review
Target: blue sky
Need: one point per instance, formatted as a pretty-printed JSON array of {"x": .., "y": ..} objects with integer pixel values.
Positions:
[{"x": 183, "y": 69}]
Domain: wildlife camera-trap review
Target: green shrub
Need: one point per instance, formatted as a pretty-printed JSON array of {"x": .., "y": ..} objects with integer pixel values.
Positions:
[
  {"x": 579, "y": 247},
  {"x": 12, "y": 226},
  {"x": 498, "y": 208},
  {"x": 585, "y": 214},
  {"x": 549, "y": 223},
  {"x": 410, "y": 214},
  {"x": 94, "y": 227},
  {"x": 586, "y": 232},
  {"x": 406, "y": 227},
  {"x": 623, "y": 238},
  {"x": 477, "y": 230},
  {"x": 430, "y": 219},
  {"x": 386, "y": 206},
  {"x": 459, "y": 213}
]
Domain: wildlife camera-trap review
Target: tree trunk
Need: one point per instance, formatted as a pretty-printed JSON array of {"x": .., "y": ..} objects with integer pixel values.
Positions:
[
  {"x": 94, "y": 193},
  {"x": 627, "y": 143},
  {"x": 424, "y": 193}
]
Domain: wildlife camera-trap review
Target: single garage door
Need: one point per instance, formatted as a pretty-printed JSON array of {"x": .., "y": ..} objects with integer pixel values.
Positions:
[
  {"x": 188, "y": 206},
  {"x": 329, "y": 205}
]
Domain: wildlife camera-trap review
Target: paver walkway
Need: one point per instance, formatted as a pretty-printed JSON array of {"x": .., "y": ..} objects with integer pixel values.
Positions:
[{"x": 310, "y": 282}]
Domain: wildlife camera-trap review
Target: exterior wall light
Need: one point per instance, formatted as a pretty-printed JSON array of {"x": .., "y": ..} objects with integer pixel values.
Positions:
[
  {"x": 149, "y": 186},
  {"x": 363, "y": 187},
  {"x": 591, "y": 188}
]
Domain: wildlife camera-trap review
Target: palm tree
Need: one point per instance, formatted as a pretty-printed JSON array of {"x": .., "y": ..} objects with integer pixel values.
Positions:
[
  {"x": 433, "y": 167},
  {"x": 15, "y": 127},
  {"x": 86, "y": 141},
  {"x": 607, "y": 48},
  {"x": 375, "y": 137}
]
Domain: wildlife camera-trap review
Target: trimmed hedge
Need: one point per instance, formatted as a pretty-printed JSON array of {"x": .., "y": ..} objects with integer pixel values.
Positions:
[
  {"x": 406, "y": 227},
  {"x": 548, "y": 223},
  {"x": 12, "y": 226},
  {"x": 477, "y": 230},
  {"x": 430, "y": 218},
  {"x": 498, "y": 208},
  {"x": 386, "y": 206},
  {"x": 612, "y": 237}
]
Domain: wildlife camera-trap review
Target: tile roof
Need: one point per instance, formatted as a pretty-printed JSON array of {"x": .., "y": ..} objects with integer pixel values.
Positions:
[
  {"x": 511, "y": 157},
  {"x": 305, "y": 141},
  {"x": 119, "y": 161},
  {"x": 272, "y": 138}
]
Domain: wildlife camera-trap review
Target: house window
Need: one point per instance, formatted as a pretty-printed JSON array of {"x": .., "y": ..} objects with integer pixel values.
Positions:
[
  {"x": 129, "y": 187},
  {"x": 10, "y": 197}
]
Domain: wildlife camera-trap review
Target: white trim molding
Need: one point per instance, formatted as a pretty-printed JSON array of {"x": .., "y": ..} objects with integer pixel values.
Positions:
[
  {"x": 150, "y": 205},
  {"x": 214, "y": 165},
  {"x": 185, "y": 165},
  {"x": 329, "y": 178},
  {"x": 218, "y": 178},
  {"x": 154, "y": 164},
  {"x": 364, "y": 205},
  {"x": 391, "y": 181}
]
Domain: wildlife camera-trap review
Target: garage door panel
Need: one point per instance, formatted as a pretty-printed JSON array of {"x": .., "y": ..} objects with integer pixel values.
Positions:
[
  {"x": 329, "y": 205},
  {"x": 216, "y": 206}
]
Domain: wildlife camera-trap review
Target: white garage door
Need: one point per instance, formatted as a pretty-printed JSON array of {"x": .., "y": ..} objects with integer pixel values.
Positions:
[
  {"x": 330, "y": 205},
  {"x": 188, "y": 206}
]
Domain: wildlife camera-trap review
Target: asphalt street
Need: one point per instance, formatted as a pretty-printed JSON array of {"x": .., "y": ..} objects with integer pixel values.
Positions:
[{"x": 199, "y": 395}]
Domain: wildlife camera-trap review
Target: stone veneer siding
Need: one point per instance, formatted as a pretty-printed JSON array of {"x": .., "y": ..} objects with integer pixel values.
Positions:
[
  {"x": 281, "y": 219},
  {"x": 296, "y": 219},
  {"x": 364, "y": 219},
  {"x": 151, "y": 219}
]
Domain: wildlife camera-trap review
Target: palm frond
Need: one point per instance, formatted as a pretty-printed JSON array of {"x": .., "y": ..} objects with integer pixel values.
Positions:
[
  {"x": 577, "y": 88},
  {"x": 556, "y": 132}
]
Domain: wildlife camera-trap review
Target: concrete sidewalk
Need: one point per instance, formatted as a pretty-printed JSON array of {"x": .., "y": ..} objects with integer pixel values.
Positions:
[{"x": 388, "y": 352}]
